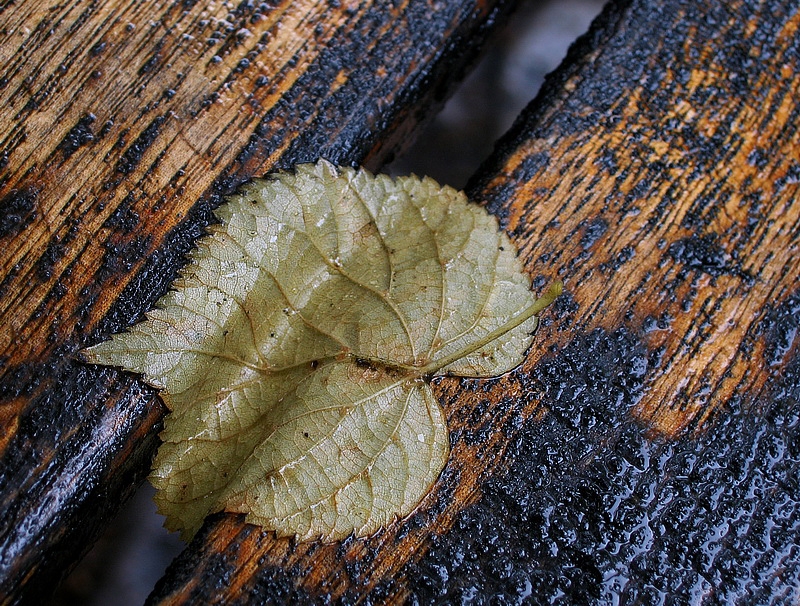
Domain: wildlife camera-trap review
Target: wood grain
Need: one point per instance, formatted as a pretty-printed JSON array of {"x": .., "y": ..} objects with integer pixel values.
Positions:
[
  {"x": 676, "y": 218},
  {"x": 647, "y": 449},
  {"x": 123, "y": 125}
]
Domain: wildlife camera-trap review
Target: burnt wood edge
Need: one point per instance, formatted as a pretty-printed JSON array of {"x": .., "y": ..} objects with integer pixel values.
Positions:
[
  {"x": 552, "y": 90},
  {"x": 93, "y": 492}
]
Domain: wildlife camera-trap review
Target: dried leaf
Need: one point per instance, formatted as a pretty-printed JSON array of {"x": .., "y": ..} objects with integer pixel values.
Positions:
[{"x": 296, "y": 349}]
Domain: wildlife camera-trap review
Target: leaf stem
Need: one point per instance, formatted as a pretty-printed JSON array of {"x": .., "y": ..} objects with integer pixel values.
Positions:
[{"x": 554, "y": 291}]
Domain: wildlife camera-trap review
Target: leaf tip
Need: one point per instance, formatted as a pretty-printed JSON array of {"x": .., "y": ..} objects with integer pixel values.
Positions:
[{"x": 94, "y": 354}]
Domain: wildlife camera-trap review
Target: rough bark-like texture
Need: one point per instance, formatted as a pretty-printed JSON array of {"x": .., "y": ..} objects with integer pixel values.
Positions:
[
  {"x": 649, "y": 448},
  {"x": 123, "y": 123}
]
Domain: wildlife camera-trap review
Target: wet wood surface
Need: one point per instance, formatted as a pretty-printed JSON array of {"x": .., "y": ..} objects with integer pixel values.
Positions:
[
  {"x": 123, "y": 124},
  {"x": 648, "y": 447},
  {"x": 650, "y": 444}
]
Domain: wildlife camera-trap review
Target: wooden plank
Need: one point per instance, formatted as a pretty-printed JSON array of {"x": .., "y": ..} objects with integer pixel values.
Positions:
[
  {"x": 123, "y": 125},
  {"x": 647, "y": 450}
]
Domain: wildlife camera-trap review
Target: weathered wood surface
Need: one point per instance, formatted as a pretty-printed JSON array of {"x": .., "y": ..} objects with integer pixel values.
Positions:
[
  {"x": 123, "y": 124},
  {"x": 649, "y": 448}
]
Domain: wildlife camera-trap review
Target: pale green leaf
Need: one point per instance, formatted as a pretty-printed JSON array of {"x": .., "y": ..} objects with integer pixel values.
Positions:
[{"x": 296, "y": 349}]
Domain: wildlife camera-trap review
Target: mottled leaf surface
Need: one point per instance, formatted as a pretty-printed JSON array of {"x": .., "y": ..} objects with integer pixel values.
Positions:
[{"x": 296, "y": 349}]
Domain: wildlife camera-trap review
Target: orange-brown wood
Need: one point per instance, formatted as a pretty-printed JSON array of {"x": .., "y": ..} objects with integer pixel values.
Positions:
[
  {"x": 657, "y": 175},
  {"x": 647, "y": 447},
  {"x": 123, "y": 123},
  {"x": 683, "y": 211}
]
